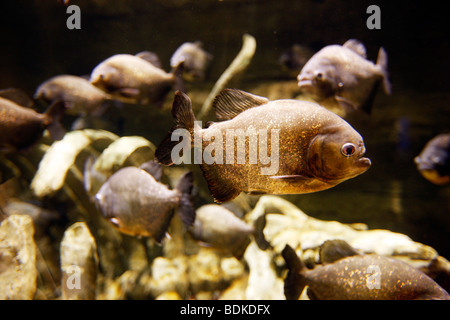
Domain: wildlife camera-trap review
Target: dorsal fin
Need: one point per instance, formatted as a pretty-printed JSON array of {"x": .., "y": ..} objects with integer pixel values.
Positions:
[
  {"x": 231, "y": 102},
  {"x": 153, "y": 168},
  {"x": 356, "y": 46},
  {"x": 332, "y": 250},
  {"x": 150, "y": 57}
]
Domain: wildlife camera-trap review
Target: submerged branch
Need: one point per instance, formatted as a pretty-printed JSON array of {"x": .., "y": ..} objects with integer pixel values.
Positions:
[{"x": 239, "y": 64}]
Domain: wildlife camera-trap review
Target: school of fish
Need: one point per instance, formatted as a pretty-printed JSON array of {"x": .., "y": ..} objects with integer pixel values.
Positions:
[{"x": 257, "y": 146}]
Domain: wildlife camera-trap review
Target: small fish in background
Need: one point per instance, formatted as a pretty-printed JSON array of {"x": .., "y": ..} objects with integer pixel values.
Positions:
[
  {"x": 42, "y": 218},
  {"x": 79, "y": 95},
  {"x": 20, "y": 126},
  {"x": 316, "y": 148},
  {"x": 137, "y": 204},
  {"x": 195, "y": 60},
  {"x": 347, "y": 275},
  {"x": 133, "y": 79},
  {"x": 219, "y": 227},
  {"x": 434, "y": 160},
  {"x": 294, "y": 58},
  {"x": 344, "y": 75}
]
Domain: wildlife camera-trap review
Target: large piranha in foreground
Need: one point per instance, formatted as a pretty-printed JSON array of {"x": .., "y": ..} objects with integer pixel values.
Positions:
[{"x": 310, "y": 148}]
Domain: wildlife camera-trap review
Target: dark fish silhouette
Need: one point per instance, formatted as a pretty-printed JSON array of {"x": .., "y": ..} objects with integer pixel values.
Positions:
[
  {"x": 434, "y": 160},
  {"x": 221, "y": 228},
  {"x": 195, "y": 60},
  {"x": 80, "y": 96},
  {"x": 344, "y": 74},
  {"x": 134, "y": 78},
  {"x": 136, "y": 204},
  {"x": 21, "y": 127},
  {"x": 347, "y": 275}
]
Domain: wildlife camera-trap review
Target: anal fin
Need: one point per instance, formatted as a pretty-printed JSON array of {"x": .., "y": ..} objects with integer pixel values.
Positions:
[{"x": 222, "y": 190}]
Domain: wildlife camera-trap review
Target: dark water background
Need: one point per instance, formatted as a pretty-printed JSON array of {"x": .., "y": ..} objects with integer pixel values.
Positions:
[{"x": 36, "y": 45}]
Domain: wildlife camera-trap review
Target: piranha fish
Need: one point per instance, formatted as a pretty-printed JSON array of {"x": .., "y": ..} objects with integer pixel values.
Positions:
[
  {"x": 434, "y": 160},
  {"x": 348, "y": 275},
  {"x": 133, "y": 77},
  {"x": 344, "y": 74},
  {"x": 195, "y": 60},
  {"x": 21, "y": 127},
  {"x": 294, "y": 58},
  {"x": 310, "y": 148},
  {"x": 79, "y": 95},
  {"x": 137, "y": 204},
  {"x": 219, "y": 227}
]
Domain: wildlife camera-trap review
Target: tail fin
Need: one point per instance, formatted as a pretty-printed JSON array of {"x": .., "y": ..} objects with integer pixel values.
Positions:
[
  {"x": 54, "y": 115},
  {"x": 293, "y": 284},
  {"x": 186, "y": 207},
  {"x": 382, "y": 61},
  {"x": 185, "y": 119}
]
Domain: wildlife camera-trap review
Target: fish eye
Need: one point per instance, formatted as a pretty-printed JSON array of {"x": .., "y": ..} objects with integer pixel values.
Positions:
[
  {"x": 348, "y": 149},
  {"x": 115, "y": 222}
]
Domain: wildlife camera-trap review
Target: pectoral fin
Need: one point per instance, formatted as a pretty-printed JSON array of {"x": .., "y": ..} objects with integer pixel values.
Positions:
[
  {"x": 346, "y": 103},
  {"x": 129, "y": 92},
  {"x": 290, "y": 178},
  {"x": 256, "y": 192}
]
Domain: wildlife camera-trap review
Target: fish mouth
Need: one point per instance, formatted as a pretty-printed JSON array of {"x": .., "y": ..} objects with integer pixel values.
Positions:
[
  {"x": 303, "y": 83},
  {"x": 364, "y": 162},
  {"x": 423, "y": 164}
]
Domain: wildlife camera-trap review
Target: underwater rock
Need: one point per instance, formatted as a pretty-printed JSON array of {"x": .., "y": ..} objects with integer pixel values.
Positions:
[
  {"x": 209, "y": 272},
  {"x": 169, "y": 275},
  {"x": 42, "y": 217},
  {"x": 236, "y": 290},
  {"x": 125, "y": 151},
  {"x": 297, "y": 229},
  {"x": 79, "y": 263},
  {"x": 61, "y": 156},
  {"x": 204, "y": 271},
  {"x": 17, "y": 258},
  {"x": 109, "y": 289},
  {"x": 263, "y": 282},
  {"x": 170, "y": 295}
]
